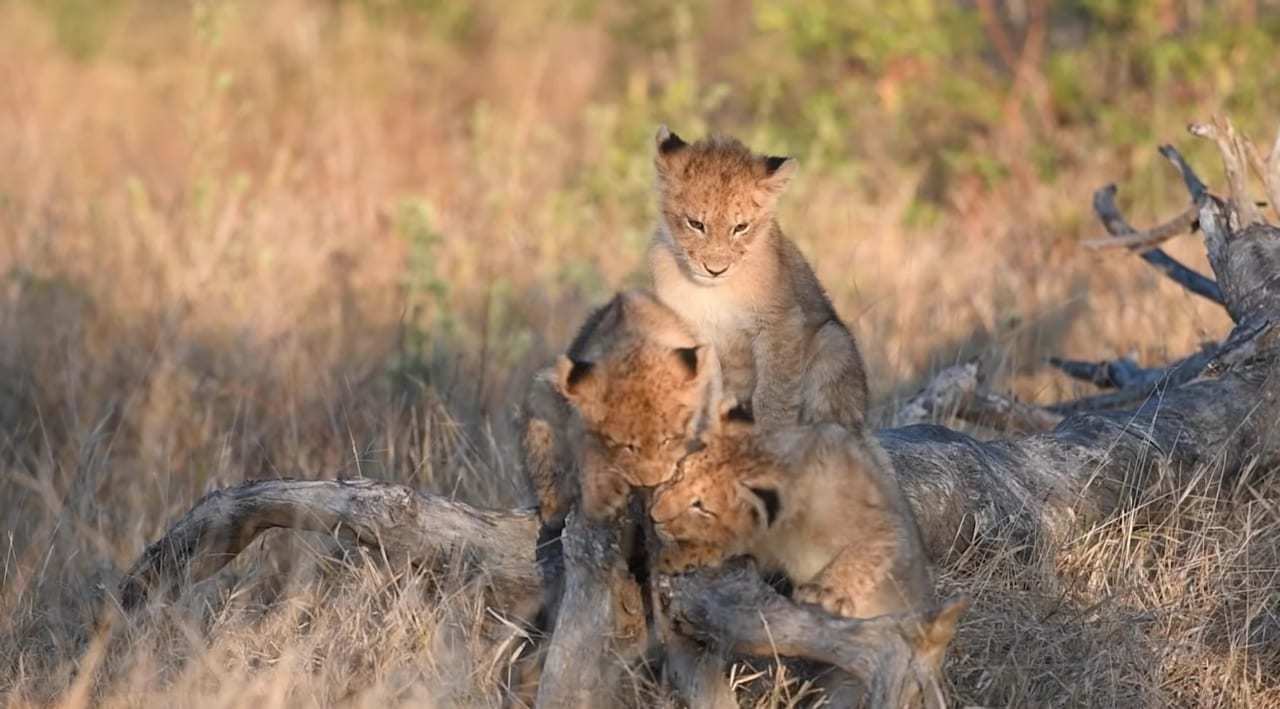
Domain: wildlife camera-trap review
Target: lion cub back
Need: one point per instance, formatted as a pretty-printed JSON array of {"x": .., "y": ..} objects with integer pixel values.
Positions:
[{"x": 818, "y": 503}]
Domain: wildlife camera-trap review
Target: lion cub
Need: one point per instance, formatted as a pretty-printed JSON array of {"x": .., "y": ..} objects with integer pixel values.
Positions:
[
  {"x": 617, "y": 409},
  {"x": 720, "y": 260},
  {"x": 818, "y": 503}
]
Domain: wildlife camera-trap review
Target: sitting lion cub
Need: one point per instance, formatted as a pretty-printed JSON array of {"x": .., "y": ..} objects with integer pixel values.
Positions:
[
  {"x": 617, "y": 410},
  {"x": 816, "y": 502},
  {"x": 721, "y": 261}
]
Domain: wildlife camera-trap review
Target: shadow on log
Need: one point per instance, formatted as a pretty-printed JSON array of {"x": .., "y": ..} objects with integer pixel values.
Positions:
[{"x": 1078, "y": 463}]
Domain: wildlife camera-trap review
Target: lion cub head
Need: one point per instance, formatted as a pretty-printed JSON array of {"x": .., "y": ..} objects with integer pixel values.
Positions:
[
  {"x": 717, "y": 198},
  {"x": 639, "y": 378},
  {"x": 721, "y": 499}
]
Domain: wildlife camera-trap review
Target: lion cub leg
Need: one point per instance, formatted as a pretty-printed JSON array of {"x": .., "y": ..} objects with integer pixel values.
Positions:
[
  {"x": 605, "y": 489},
  {"x": 780, "y": 361},
  {"x": 850, "y": 584},
  {"x": 545, "y": 454},
  {"x": 834, "y": 386}
]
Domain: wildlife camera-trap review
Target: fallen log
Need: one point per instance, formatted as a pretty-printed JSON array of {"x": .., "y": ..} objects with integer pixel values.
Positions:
[{"x": 400, "y": 522}]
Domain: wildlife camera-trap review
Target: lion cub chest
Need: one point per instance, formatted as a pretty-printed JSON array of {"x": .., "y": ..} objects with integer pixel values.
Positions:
[
  {"x": 795, "y": 548},
  {"x": 730, "y": 325}
]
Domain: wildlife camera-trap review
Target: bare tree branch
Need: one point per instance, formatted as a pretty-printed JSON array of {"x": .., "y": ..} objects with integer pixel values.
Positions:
[
  {"x": 1112, "y": 374},
  {"x": 1142, "y": 240},
  {"x": 1005, "y": 413},
  {"x": 1222, "y": 132},
  {"x": 1197, "y": 189},
  {"x": 1271, "y": 175},
  {"x": 402, "y": 523},
  {"x": 941, "y": 396},
  {"x": 1267, "y": 169},
  {"x": 957, "y": 391},
  {"x": 1104, "y": 204}
]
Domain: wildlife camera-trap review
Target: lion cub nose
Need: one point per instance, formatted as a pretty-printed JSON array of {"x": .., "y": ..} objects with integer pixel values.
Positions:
[{"x": 714, "y": 272}]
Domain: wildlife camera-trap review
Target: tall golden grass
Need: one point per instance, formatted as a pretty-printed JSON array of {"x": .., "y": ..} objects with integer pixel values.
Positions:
[{"x": 313, "y": 239}]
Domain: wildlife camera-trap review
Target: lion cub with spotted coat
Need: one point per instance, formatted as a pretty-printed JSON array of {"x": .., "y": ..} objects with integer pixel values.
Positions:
[
  {"x": 617, "y": 409},
  {"x": 720, "y": 260},
  {"x": 818, "y": 503}
]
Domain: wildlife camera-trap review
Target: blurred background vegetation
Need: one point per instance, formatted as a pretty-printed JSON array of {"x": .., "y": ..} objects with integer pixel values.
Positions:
[{"x": 243, "y": 239}]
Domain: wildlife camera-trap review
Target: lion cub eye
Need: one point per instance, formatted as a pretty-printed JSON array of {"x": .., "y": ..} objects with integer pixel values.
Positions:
[
  {"x": 697, "y": 505},
  {"x": 696, "y": 225},
  {"x": 628, "y": 448},
  {"x": 740, "y": 229}
]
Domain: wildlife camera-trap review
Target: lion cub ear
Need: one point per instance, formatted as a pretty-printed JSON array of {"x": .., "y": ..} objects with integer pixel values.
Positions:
[
  {"x": 669, "y": 152},
  {"x": 668, "y": 143},
  {"x": 766, "y": 502},
  {"x": 694, "y": 360},
  {"x": 733, "y": 411},
  {"x": 688, "y": 357},
  {"x": 777, "y": 173},
  {"x": 576, "y": 380}
]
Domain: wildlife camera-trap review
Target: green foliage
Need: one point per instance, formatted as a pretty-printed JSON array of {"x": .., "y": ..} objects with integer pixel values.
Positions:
[
  {"x": 441, "y": 19},
  {"x": 851, "y": 87},
  {"x": 801, "y": 77},
  {"x": 81, "y": 26},
  {"x": 427, "y": 319},
  {"x": 432, "y": 330},
  {"x": 425, "y": 290},
  {"x": 871, "y": 34}
]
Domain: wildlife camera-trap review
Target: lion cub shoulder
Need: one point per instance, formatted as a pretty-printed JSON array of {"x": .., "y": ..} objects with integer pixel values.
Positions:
[
  {"x": 721, "y": 261},
  {"x": 818, "y": 503},
  {"x": 616, "y": 410}
]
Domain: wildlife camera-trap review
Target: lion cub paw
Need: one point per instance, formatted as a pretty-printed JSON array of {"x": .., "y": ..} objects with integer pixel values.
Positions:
[
  {"x": 829, "y": 599},
  {"x": 603, "y": 496},
  {"x": 685, "y": 557}
]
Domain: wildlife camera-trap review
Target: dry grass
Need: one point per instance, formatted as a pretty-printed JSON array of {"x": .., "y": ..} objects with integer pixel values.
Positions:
[{"x": 250, "y": 240}]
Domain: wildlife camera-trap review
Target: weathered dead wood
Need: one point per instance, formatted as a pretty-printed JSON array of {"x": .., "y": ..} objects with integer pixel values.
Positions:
[
  {"x": 1210, "y": 417},
  {"x": 1104, "y": 205},
  {"x": 1142, "y": 240},
  {"x": 1231, "y": 148},
  {"x": 958, "y": 391},
  {"x": 698, "y": 674},
  {"x": 1096, "y": 462},
  {"x": 1145, "y": 383},
  {"x": 402, "y": 523},
  {"x": 1118, "y": 373},
  {"x": 600, "y": 620},
  {"x": 600, "y": 624},
  {"x": 1005, "y": 413},
  {"x": 941, "y": 396},
  {"x": 1269, "y": 170},
  {"x": 1248, "y": 280},
  {"x": 730, "y": 608}
]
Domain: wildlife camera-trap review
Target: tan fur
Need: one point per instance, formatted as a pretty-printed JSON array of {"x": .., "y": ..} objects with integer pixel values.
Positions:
[
  {"x": 842, "y": 533},
  {"x": 617, "y": 410},
  {"x": 782, "y": 346}
]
